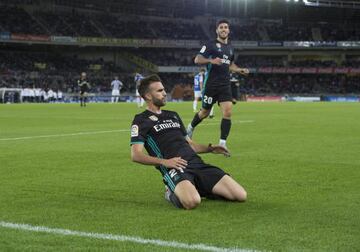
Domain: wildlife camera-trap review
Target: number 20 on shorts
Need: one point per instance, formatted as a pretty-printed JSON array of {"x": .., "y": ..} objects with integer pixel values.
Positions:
[{"x": 208, "y": 100}]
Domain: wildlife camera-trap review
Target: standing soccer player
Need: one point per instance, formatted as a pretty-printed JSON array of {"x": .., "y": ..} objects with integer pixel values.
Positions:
[
  {"x": 186, "y": 176},
  {"x": 116, "y": 85},
  {"x": 139, "y": 100},
  {"x": 218, "y": 55},
  {"x": 84, "y": 86},
  {"x": 198, "y": 84}
]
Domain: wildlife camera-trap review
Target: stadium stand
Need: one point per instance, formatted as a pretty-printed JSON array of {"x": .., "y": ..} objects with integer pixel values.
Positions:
[{"x": 58, "y": 65}]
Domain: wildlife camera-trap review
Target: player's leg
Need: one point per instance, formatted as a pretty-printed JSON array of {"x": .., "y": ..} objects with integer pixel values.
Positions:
[
  {"x": 197, "y": 97},
  {"x": 85, "y": 99},
  {"x": 212, "y": 114},
  {"x": 228, "y": 188},
  {"x": 225, "y": 98},
  {"x": 225, "y": 126},
  {"x": 198, "y": 117},
  {"x": 187, "y": 194},
  {"x": 181, "y": 191},
  {"x": 81, "y": 99},
  {"x": 207, "y": 102},
  {"x": 138, "y": 101},
  {"x": 117, "y": 97},
  {"x": 195, "y": 102}
]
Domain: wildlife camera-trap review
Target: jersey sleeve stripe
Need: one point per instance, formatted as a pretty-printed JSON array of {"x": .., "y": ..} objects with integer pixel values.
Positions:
[
  {"x": 137, "y": 142},
  {"x": 156, "y": 149}
]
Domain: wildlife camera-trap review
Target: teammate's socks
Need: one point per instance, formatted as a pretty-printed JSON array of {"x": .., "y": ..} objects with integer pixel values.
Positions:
[
  {"x": 196, "y": 120},
  {"x": 225, "y": 128}
]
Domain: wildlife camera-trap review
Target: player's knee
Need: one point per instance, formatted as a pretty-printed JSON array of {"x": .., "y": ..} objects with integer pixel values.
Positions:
[
  {"x": 240, "y": 195},
  {"x": 204, "y": 113},
  {"x": 227, "y": 114},
  {"x": 191, "y": 202}
]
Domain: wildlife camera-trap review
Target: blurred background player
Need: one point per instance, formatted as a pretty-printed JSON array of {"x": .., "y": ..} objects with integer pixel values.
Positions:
[
  {"x": 198, "y": 84},
  {"x": 84, "y": 86},
  {"x": 139, "y": 100},
  {"x": 60, "y": 95},
  {"x": 218, "y": 55},
  {"x": 116, "y": 85},
  {"x": 234, "y": 80}
]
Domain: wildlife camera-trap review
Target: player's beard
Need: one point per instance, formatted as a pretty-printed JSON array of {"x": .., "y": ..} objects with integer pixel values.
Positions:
[
  {"x": 223, "y": 37},
  {"x": 159, "y": 102}
]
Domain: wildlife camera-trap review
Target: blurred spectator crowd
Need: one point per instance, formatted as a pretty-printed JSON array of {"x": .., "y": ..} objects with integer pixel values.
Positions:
[
  {"x": 44, "y": 71},
  {"x": 88, "y": 24},
  {"x": 40, "y": 70}
]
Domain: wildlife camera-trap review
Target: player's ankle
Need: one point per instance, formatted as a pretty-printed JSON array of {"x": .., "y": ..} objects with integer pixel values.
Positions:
[{"x": 222, "y": 142}]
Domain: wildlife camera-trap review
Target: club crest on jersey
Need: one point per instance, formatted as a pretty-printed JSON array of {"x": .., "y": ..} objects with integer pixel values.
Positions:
[
  {"x": 134, "y": 130},
  {"x": 218, "y": 45},
  {"x": 153, "y": 118}
]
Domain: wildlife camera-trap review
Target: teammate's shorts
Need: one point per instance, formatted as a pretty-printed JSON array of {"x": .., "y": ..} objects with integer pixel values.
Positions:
[
  {"x": 83, "y": 93},
  {"x": 204, "y": 177},
  {"x": 115, "y": 92},
  {"x": 137, "y": 93},
  {"x": 197, "y": 94},
  {"x": 211, "y": 95}
]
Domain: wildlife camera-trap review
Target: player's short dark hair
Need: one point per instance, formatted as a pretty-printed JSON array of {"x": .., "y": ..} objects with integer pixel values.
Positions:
[
  {"x": 145, "y": 83},
  {"x": 222, "y": 21}
]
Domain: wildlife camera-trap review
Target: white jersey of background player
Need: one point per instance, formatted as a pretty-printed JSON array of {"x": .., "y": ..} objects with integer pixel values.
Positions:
[
  {"x": 139, "y": 100},
  {"x": 60, "y": 95},
  {"x": 198, "y": 85},
  {"x": 116, "y": 86}
]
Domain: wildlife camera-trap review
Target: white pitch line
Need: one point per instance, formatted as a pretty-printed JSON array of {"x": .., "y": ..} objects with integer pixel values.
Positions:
[
  {"x": 96, "y": 132},
  {"x": 121, "y": 238},
  {"x": 64, "y": 135}
]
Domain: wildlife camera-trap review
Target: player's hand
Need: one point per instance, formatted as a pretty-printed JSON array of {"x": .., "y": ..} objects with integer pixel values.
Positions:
[
  {"x": 218, "y": 149},
  {"x": 177, "y": 163},
  {"x": 244, "y": 71},
  {"x": 216, "y": 61}
]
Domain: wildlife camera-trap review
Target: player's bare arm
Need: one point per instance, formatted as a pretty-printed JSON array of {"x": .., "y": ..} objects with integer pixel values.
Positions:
[
  {"x": 234, "y": 68},
  {"x": 200, "y": 148},
  {"x": 201, "y": 60},
  {"x": 138, "y": 156}
]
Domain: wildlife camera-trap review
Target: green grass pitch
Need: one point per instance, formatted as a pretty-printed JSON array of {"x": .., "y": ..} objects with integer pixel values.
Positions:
[{"x": 299, "y": 162}]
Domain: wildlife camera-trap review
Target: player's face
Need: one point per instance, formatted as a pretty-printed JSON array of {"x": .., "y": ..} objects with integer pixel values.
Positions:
[
  {"x": 223, "y": 31},
  {"x": 158, "y": 94}
]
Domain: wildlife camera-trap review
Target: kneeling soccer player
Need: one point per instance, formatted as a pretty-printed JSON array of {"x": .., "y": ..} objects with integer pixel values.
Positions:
[{"x": 162, "y": 133}]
